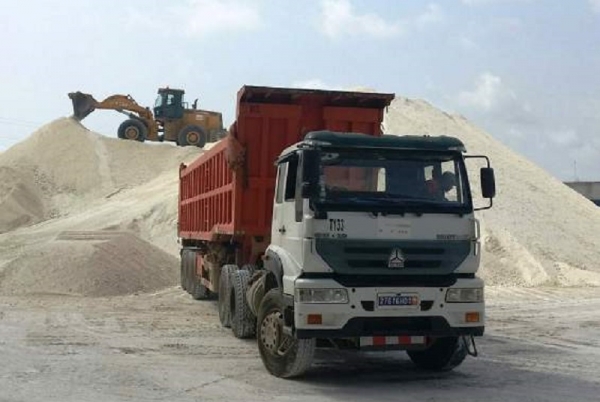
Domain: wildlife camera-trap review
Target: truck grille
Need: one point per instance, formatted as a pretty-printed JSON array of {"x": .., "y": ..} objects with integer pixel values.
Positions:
[{"x": 420, "y": 257}]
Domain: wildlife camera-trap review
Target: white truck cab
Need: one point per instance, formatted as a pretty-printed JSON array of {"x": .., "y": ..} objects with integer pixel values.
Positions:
[{"x": 374, "y": 245}]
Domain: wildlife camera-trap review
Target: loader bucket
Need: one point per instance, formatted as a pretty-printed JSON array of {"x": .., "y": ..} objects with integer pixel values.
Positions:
[{"x": 83, "y": 104}]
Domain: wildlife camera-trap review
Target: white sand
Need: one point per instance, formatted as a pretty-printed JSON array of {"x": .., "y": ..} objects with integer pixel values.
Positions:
[
  {"x": 539, "y": 230},
  {"x": 65, "y": 178},
  {"x": 90, "y": 264}
]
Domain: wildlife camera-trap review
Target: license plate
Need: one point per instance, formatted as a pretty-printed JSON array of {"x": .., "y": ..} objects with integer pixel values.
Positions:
[{"x": 395, "y": 300}]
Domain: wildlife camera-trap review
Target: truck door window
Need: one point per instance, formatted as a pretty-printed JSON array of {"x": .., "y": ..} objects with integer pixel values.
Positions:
[
  {"x": 290, "y": 182},
  {"x": 280, "y": 182}
]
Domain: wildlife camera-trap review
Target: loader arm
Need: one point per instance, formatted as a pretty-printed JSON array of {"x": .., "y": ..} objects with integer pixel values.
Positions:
[{"x": 84, "y": 104}]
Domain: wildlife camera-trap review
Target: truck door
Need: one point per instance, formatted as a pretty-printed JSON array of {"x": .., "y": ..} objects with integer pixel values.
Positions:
[{"x": 286, "y": 232}]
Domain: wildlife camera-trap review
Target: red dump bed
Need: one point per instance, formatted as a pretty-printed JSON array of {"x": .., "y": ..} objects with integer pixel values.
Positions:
[{"x": 228, "y": 190}]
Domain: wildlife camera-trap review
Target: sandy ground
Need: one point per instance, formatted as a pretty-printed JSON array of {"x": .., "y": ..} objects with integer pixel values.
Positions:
[{"x": 541, "y": 345}]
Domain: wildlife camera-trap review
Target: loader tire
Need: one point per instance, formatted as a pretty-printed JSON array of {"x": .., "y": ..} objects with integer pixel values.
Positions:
[
  {"x": 282, "y": 355},
  {"x": 444, "y": 355},
  {"x": 243, "y": 322},
  {"x": 224, "y": 291},
  {"x": 191, "y": 135},
  {"x": 132, "y": 129}
]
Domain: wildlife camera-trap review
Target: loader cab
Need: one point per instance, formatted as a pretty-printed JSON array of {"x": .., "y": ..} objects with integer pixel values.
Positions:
[{"x": 169, "y": 104}]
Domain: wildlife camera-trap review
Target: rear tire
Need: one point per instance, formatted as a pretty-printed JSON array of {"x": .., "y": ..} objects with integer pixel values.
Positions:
[
  {"x": 183, "y": 267},
  {"x": 196, "y": 288},
  {"x": 243, "y": 322},
  {"x": 282, "y": 355},
  {"x": 251, "y": 268},
  {"x": 132, "y": 129},
  {"x": 224, "y": 291},
  {"x": 444, "y": 355},
  {"x": 192, "y": 135}
]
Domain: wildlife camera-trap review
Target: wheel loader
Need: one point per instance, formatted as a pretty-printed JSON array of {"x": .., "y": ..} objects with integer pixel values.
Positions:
[{"x": 171, "y": 120}]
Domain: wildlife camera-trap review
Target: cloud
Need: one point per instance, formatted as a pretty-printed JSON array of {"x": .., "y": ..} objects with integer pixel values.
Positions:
[
  {"x": 487, "y": 94},
  {"x": 313, "y": 83},
  {"x": 565, "y": 138},
  {"x": 432, "y": 15},
  {"x": 484, "y": 2},
  {"x": 595, "y": 5},
  {"x": 202, "y": 17},
  {"x": 199, "y": 18},
  {"x": 466, "y": 43},
  {"x": 339, "y": 18},
  {"x": 492, "y": 98},
  {"x": 316, "y": 83}
]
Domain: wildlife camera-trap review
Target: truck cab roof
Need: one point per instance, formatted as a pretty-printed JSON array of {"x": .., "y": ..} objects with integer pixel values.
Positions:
[{"x": 327, "y": 138}]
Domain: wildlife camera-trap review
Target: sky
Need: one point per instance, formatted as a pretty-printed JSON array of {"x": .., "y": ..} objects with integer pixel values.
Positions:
[{"x": 527, "y": 71}]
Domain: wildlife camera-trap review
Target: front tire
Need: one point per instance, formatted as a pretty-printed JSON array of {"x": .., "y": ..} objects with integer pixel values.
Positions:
[
  {"x": 192, "y": 135},
  {"x": 132, "y": 129},
  {"x": 282, "y": 355},
  {"x": 224, "y": 291},
  {"x": 444, "y": 355},
  {"x": 243, "y": 322}
]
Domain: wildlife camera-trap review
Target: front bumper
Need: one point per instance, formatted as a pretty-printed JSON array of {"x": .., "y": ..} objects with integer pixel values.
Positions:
[
  {"x": 362, "y": 317},
  {"x": 388, "y": 326}
]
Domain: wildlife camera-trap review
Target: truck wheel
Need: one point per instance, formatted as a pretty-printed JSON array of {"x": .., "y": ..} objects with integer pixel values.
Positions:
[
  {"x": 444, "y": 355},
  {"x": 182, "y": 271},
  {"x": 224, "y": 291},
  {"x": 197, "y": 289},
  {"x": 132, "y": 129},
  {"x": 282, "y": 355},
  {"x": 251, "y": 268},
  {"x": 188, "y": 267},
  {"x": 243, "y": 322},
  {"x": 191, "y": 135}
]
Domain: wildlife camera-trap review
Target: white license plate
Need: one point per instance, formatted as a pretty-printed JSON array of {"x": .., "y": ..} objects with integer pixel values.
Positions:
[{"x": 397, "y": 299}]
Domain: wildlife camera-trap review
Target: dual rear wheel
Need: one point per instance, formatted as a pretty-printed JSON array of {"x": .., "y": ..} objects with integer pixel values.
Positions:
[{"x": 190, "y": 281}]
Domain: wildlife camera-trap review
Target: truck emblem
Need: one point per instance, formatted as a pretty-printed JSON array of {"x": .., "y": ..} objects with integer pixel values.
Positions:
[{"x": 396, "y": 259}]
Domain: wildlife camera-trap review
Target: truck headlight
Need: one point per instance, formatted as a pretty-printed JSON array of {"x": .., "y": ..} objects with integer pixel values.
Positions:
[
  {"x": 469, "y": 295},
  {"x": 337, "y": 296}
]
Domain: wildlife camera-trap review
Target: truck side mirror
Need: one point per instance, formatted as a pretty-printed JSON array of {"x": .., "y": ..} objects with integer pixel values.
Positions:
[{"x": 488, "y": 182}]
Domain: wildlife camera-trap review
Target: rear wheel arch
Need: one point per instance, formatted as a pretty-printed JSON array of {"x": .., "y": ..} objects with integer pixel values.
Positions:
[{"x": 274, "y": 268}]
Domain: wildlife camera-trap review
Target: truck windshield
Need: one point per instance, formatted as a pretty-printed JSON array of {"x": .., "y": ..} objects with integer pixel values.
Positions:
[{"x": 393, "y": 179}]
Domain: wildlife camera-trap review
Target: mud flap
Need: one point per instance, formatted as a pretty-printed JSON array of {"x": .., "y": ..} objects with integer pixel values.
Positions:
[{"x": 469, "y": 342}]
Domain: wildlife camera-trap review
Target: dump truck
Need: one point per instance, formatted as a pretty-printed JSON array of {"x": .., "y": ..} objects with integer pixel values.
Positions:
[
  {"x": 172, "y": 120},
  {"x": 312, "y": 229}
]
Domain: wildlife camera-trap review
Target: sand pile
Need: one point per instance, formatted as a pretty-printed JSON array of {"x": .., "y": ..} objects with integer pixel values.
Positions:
[
  {"x": 90, "y": 264},
  {"x": 69, "y": 165},
  {"x": 539, "y": 231},
  {"x": 20, "y": 201},
  {"x": 65, "y": 178}
]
